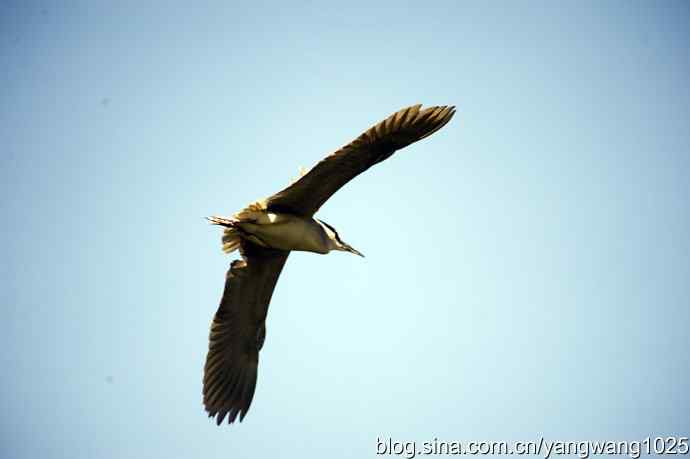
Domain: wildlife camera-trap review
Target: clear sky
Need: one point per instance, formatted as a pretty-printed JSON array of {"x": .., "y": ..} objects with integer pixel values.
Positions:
[{"x": 527, "y": 267}]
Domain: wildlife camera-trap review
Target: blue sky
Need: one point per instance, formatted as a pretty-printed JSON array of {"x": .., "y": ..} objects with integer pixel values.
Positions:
[{"x": 527, "y": 267}]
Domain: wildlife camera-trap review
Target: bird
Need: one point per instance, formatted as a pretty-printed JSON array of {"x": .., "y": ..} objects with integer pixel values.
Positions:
[{"x": 266, "y": 231}]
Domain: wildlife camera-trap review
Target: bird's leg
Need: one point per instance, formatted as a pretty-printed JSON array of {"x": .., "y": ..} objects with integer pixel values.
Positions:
[{"x": 222, "y": 221}]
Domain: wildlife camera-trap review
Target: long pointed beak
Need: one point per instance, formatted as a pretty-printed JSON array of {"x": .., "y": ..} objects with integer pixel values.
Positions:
[{"x": 350, "y": 249}]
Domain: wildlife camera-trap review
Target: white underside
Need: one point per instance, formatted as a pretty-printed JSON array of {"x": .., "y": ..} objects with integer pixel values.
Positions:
[{"x": 285, "y": 232}]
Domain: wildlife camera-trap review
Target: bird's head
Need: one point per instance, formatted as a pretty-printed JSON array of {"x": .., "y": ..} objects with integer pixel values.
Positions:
[{"x": 335, "y": 242}]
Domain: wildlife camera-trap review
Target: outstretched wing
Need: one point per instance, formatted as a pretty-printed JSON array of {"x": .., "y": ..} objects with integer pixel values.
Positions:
[
  {"x": 307, "y": 195},
  {"x": 238, "y": 331}
]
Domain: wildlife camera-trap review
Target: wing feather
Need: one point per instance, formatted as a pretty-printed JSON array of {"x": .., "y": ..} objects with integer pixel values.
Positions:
[
  {"x": 237, "y": 332},
  {"x": 306, "y": 195}
]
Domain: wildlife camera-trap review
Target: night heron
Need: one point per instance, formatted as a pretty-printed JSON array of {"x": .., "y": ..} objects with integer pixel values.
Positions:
[{"x": 266, "y": 231}]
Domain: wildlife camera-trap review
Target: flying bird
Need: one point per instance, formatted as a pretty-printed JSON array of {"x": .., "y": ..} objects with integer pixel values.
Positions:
[{"x": 266, "y": 231}]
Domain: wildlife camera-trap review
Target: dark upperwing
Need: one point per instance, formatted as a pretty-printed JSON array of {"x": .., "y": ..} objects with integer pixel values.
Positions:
[
  {"x": 307, "y": 195},
  {"x": 238, "y": 331}
]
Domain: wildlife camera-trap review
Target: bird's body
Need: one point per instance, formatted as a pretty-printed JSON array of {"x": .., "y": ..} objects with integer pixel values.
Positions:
[
  {"x": 288, "y": 232},
  {"x": 277, "y": 230},
  {"x": 266, "y": 231}
]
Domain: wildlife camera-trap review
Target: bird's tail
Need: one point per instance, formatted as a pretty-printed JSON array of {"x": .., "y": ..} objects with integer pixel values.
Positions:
[{"x": 231, "y": 237}]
